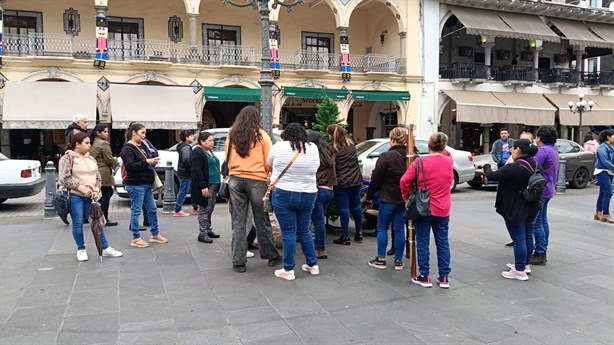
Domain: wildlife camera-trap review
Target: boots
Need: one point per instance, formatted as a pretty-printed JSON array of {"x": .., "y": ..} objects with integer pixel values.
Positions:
[
  {"x": 205, "y": 238},
  {"x": 607, "y": 218},
  {"x": 598, "y": 215},
  {"x": 539, "y": 259},
  {"x": 342, "y": 240},
  {"x": 321, "y": 254}
]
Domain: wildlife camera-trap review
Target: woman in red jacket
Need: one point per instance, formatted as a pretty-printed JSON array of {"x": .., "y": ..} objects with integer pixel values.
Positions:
[{"x": 436, "y": 171}]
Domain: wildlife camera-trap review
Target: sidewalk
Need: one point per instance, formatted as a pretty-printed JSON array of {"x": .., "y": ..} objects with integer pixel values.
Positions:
[{"x": 186, "y": 292}]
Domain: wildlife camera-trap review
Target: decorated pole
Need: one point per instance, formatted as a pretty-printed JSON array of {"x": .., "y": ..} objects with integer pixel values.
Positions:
[
  {"x": 273, "y": 42},
  {"x": 409, "y": 225},
  {"x": 346, "y": 69},
  {"x": 102, "y": 34}
]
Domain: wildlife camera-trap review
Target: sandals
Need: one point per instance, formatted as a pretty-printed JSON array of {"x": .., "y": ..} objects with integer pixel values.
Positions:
[
  {"x": 158, "y": 239},
  {"x": 139, "y": 243}
]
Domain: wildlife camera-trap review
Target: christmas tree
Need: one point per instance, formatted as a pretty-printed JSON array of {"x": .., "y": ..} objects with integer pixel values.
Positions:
[{"x": 327, "y": 114}]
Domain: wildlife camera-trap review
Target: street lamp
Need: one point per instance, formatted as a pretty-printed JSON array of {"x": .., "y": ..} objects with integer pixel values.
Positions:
[
  {"x": 580, "y": 108},
  {"x": 266, "y": 79}
]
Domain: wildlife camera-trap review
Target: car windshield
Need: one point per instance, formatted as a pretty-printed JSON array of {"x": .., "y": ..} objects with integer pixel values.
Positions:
[
  {"x": 365, "y": 146},
  {"x": 3, "y": 157}
]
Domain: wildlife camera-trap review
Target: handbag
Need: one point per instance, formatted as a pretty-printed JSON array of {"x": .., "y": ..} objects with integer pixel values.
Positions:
[
  {"x": 61, "y": 205},
  {"x": 157, "y": 183},
  {"x": 418, "y": 204},
  {"x": 267, "y": 205},
  {"x": 224, "y": 192}
]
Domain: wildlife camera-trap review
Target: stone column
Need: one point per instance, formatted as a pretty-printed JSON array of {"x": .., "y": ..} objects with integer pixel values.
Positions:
[
  {"x": 403, "y": 48},
  {"x": 193, "y": 24},
  {"x": 487, "y": 55},
  {"x": 578, "y": 52},
  {"x": 101, "y": 10},
  {"x": 536, "y": 51}
]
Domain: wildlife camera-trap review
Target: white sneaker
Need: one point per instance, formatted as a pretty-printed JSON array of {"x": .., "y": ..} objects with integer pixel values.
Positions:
[
  {"x": 283, "y": 274},
  {"x": 249, "y": 254},
  {"x": 82, "y": 255},
  {"x": 111, "y": 252},
  {"x": 314, "y": 270},
  {"x": 513, "y": 274},
  {"x": 527, "y": 268}
]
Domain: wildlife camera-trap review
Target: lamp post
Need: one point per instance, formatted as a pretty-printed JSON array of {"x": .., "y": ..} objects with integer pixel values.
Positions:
[
  {"x": 580, "y": 108},
  {"x": 266, "y": 79}
]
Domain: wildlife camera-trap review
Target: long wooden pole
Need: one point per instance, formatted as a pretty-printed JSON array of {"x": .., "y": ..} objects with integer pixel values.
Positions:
[{"x": 409, "y": 225}]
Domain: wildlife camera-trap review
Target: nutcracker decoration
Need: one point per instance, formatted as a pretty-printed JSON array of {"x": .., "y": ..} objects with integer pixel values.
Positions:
[
  {"x": 102, "y": 34},
  {"x": 346, "y": 69},
  {"x": 275, "y": 67},
  {"x": 1, "y": 26}
]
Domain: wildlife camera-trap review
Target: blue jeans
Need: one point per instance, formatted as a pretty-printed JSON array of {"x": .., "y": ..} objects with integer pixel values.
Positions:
[
  {"x": 184, "y": 189},
  {"x": 318, "y": 216},
  {"x": 605, "y": 192},
  {"x": 440, "y": 232},
  {"x": 348, "y": 201},
  {"x": 141, "y": 199},
  {"x": 522, "y": 235},
  {"x": 80, "y": 206},
  {"x": 541, "y": 228},
  {"x": 293, "y": 211},
  {"x": 390, "y": 213}
]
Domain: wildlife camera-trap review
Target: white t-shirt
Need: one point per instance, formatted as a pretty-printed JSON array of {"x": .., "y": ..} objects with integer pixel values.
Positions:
[{"x": 301, "y": 177}]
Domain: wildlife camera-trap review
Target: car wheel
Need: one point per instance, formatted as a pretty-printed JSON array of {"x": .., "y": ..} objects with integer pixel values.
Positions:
[
  {"x": 580, "y": 179},
  {"x": 474, "y": 184},
  {"x": 455, "y": 182},
  {"x": 159, "y": 196},
  {"x": 2, "y": 200}
]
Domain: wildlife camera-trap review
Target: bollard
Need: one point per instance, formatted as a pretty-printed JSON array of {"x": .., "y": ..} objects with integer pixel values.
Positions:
[
  {"x": 49, "y": 211},
  {"x": 561, "y": 186},
  {"x": 168, "y": 199}
]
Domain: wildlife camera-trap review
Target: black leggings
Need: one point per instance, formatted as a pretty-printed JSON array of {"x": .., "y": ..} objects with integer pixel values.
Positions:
[{"x": 107, "y": 192}]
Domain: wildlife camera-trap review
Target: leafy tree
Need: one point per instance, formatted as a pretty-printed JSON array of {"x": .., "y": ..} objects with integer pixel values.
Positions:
[{"x": 327, "y": 114}]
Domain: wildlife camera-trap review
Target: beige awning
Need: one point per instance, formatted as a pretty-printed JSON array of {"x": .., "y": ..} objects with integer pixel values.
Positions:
[
  {"x": 482, "y": 22},
  {"x": 527, "y": 108},
  {"x": 602, "y": 113},
  {"x": 156, "y": 107},
  {"x": 47, "y": 104},
  {"x": 605, "y": 31},
  {"x": 578, "y": 34},
  {"x": 478, "y": 107},
  {"x": 529, "y": 27}
]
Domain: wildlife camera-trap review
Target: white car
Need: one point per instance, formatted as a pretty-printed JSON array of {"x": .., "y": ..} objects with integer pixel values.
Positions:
[
  {"x": 170, "y": 154},
  {"x": 368, "y": 152},
  {"x": 19, "y": 178}
]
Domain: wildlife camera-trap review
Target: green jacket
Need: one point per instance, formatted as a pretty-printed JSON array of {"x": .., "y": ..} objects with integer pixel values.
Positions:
[{"x": 101, "y": 151}]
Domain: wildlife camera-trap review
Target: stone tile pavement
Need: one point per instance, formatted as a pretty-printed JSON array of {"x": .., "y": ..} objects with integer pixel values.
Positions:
[{"x": 186, "y": 292}]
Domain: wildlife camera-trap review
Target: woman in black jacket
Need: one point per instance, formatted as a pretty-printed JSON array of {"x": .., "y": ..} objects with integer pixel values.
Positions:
[
  {"x": 519, "y": 215},
  {"x": 385, "y": 179},
  {"x": 140, "y": 175},
  {"x": 349, "y": 179}
]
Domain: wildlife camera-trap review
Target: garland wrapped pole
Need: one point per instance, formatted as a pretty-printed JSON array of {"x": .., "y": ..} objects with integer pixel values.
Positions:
[{"x": 409, "y": 225}]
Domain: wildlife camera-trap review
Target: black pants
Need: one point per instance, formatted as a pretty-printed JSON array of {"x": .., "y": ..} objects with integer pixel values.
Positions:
[{"x": 107, "y": 192}]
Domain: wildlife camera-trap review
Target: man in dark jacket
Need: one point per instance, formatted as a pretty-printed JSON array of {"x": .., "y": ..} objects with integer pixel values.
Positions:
[
  {"x": 79, "y": 124},
  {"x": 184, "y": 148}
]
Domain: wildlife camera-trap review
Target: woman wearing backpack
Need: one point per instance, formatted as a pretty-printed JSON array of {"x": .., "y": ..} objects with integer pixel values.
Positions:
[{"x": 519, "y": 214}]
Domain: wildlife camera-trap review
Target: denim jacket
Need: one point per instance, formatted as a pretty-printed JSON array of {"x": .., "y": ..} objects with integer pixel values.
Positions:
[{"x": 605, "y": 157}]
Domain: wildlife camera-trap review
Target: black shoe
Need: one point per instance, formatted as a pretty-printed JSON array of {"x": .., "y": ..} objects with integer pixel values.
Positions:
[
  {"x": 239, "y": 268},
  {"x": 342, "y": 240},
  {"x": 378, "y": 263},
  {"x": 205, "y": 239},
  {"x": 146, "y": 224},
  {"x": 276, "y": 261},
  {"x": 358, "y": 237},
  {"x": 511, "y": 244},
  {"x": 213, "y": 234},
  {"x": 539, "y": 259},
  {"x": 391, "y": 251},
  {"x": 86, "y": 221},
  {"x": 112, "y": 223}
]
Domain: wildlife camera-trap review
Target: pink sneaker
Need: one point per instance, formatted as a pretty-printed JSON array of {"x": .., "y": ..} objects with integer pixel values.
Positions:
[
  {"x": 513, "y": 274},
  {"x": 196, "y": 211},
  {"x": 180, "y": 214}
]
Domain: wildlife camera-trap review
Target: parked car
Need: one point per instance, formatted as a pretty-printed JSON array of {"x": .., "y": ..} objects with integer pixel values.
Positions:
[
  {"x": 19, "y": 178},
  {"x": 170, "y": 154},
  {"x": 368, "y": 152},
  {"x": 579, "y": 168}
]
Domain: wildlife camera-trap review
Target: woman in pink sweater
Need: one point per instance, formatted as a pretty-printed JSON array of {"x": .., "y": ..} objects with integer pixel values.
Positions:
[{"x": 436, "y": 171}]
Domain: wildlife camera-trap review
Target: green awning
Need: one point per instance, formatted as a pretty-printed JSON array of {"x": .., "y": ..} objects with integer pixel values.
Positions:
[
  {"x": 231, "y": 94},
  {"x": 305, "y": 92},
  {"x": 362, "y": 95}
]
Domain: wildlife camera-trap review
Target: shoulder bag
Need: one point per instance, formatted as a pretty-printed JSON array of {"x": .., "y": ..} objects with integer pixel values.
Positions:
[
  {"x": 418, "y": 204},
  {"x": 157, "y": 184},
  {"x": 61, "y": 201},
  {"x": 266, "y": 200},
  {"x": 223, "y": 191}
]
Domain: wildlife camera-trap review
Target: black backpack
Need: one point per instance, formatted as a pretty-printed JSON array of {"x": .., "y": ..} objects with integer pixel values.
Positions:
[{"x": 536, "y": 185}]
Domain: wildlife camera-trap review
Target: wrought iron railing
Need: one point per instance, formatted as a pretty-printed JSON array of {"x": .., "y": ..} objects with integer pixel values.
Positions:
[{"x": 157, "y": 50}]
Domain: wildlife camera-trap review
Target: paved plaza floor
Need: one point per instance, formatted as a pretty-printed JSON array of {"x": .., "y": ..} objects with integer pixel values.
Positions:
[{"x": 186, "y": 292}]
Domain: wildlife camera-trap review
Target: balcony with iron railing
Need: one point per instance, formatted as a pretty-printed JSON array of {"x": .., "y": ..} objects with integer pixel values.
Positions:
[
  {"x": 460, "y": 72},
  {"x": 165, "y": 51}
]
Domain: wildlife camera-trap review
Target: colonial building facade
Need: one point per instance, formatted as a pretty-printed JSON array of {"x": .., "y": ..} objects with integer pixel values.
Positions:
[{"x": 176, "y": 64}]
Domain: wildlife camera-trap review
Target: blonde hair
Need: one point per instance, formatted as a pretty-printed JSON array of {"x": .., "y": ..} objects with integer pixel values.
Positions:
[{"x": 399, "y": 134}]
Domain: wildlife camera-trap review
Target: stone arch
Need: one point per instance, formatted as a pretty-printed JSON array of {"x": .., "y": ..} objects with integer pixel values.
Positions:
[
  {"x": 52, "y": 72},
  {"x": 278, "y": 102},
  {"x": 336, "y": 9},
  {"x": 151, "y": 76},
  {"x": 236, "y": 80},
  {"x": 393, "y": 5},
  {"x": 444, "y": 15},
  {"x": 401, "y": 106}
]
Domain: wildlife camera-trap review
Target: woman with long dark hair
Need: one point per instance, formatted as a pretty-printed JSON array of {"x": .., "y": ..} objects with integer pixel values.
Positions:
[
  {"x": 80, "y": 178},
  {"x": 101, "y": 151},
  {"x": 294, "y": 196},
  {"x": 248, "y": 170},
  {"x": 604, "y": 172},
  {"x": 140, "y": 176},
  {"x": 519, "y": 215},
  {"x": 326, "y": 179},
  {"x": 205, "y": 175},
  {"x": 349, "y": 179}
]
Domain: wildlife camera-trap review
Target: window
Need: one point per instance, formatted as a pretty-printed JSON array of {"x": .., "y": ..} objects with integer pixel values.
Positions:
[
  {"x": 22, "y": 22},
  {"x": 317, "y": 48},
  {"x": 123, "y": 36},
  {"x": 592, "y": 65},
  {"x": 217, "y": 35},
  {"x": 564, "y": 147}
]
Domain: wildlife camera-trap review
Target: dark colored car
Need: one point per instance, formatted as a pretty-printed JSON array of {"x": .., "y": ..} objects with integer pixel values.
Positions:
[{"x": 579, "y": 168}]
